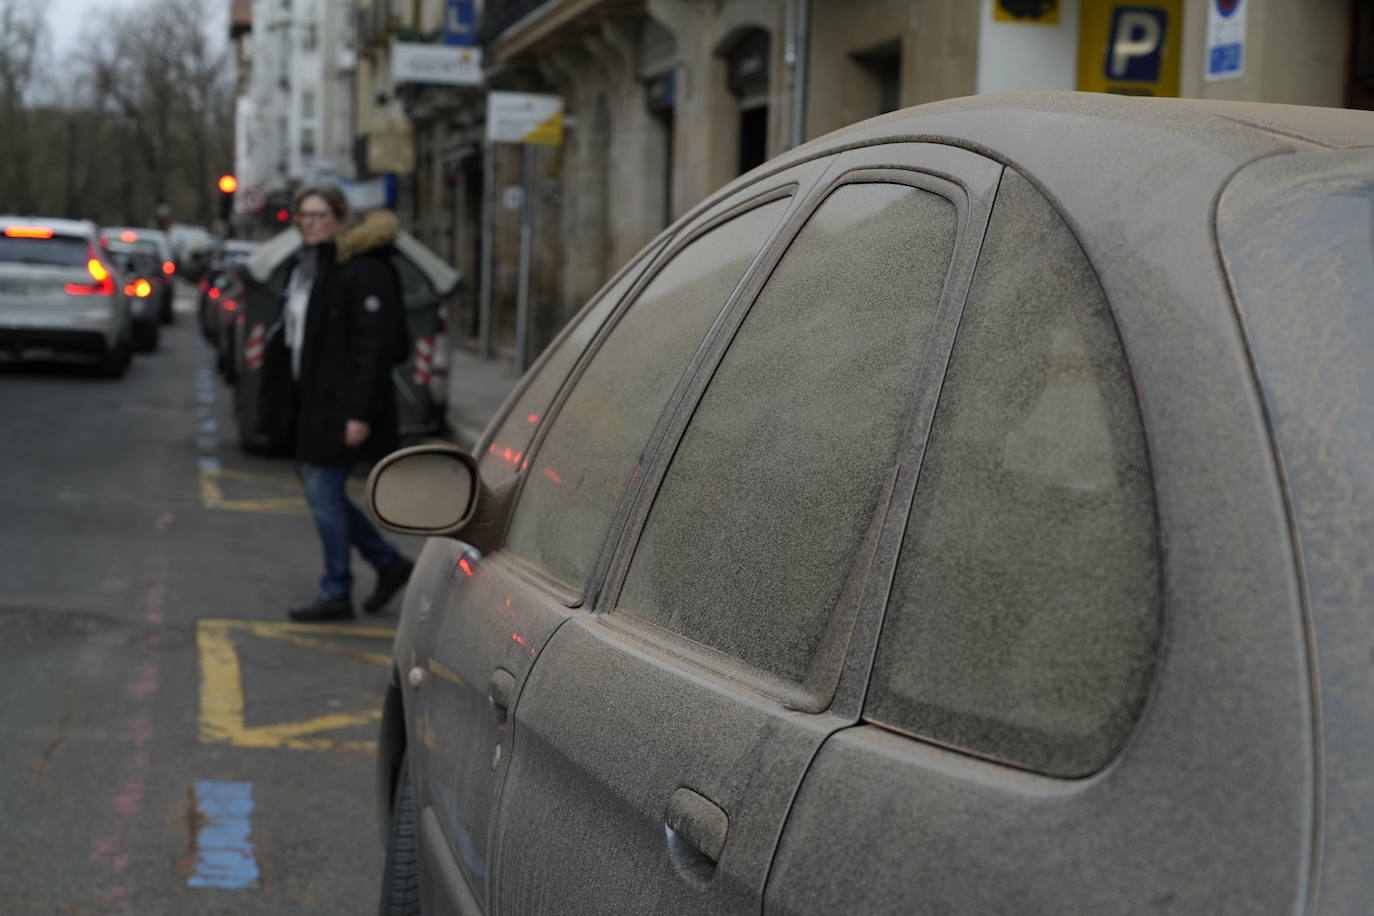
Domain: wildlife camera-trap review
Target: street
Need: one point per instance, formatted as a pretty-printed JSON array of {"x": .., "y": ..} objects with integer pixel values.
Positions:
[{"x": 171, "y": 744}]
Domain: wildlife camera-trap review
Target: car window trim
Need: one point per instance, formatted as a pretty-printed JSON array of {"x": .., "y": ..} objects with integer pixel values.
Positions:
[{"x": 969, "y": 182}]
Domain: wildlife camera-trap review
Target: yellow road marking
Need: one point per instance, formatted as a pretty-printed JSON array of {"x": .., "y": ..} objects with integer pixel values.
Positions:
[
  {"x": 221, "y": 691},
  {"x": 212, "y": 496}
]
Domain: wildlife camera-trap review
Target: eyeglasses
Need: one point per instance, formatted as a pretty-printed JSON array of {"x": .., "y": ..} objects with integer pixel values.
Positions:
[{"x": 313, "y": 214}]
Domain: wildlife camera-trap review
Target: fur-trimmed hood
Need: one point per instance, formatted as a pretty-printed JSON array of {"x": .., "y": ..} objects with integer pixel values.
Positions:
[{"x": 377, "y": 230}]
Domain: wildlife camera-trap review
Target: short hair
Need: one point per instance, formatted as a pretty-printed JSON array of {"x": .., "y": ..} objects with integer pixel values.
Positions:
[{"x": 331, "y": 194}]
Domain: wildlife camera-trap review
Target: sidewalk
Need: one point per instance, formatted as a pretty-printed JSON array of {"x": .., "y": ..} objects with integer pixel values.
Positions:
[{"x": 476, "y": 389}]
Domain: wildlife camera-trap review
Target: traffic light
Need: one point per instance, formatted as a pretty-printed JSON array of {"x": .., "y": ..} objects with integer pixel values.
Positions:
[{"x": 228, "y": 184}]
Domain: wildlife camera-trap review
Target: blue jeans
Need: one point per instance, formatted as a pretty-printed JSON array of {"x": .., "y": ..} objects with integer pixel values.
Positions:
[{"x": 341, "y": 525}]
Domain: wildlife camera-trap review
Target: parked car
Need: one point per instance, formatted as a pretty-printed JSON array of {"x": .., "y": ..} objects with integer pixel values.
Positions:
[
  {"x": 153, "y": 241},
  {"x": 970, "y": 511},
  {"x": 220, "y": 274},
  {"x": 139, "y": 275},
  {"x": 58, "y": 293},
  {"x": 421, "y": 381}
]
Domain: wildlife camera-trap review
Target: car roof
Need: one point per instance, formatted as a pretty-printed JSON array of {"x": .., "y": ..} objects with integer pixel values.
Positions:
[
  {"x": 1100, "y": 141},
  {"x": 150, "y": 233},
  {"x": 76, "y": 227}
]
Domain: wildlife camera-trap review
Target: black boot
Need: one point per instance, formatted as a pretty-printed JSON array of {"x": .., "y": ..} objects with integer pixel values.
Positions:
[
  {"x": 389, "y": 581},
  {"x": 322, "y": 609}
]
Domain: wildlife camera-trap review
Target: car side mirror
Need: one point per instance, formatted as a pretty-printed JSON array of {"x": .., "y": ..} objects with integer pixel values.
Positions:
[{"x": 424, "y": 490}]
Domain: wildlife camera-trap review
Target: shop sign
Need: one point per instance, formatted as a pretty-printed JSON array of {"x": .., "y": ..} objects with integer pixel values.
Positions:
[
  {"x": 524, "y": 117},
  {"x": 442, "y": 65},
  {"x": 1225, "y": 40}
]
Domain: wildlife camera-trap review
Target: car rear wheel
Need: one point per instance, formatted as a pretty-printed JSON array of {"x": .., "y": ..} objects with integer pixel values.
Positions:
[
  {"x": 401, "y": 879},
  {"x": 115, "y": 361}
]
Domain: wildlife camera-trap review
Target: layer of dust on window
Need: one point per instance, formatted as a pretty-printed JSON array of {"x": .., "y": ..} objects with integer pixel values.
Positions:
[
  {"x": 1024, "y": 617},
  {"x": 593, "y": 449},
  {"x": 778, "y": 476}
]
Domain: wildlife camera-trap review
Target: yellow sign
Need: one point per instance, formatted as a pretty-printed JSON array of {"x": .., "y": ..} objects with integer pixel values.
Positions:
[
  {"x": 222, "y": 718},
  {"x": 1032, "y": 12},
  {"x": 550, "y": 133},
  {"x": 1130, "y": 48}
]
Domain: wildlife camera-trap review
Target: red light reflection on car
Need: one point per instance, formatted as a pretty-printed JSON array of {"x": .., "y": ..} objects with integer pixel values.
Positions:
[
  {"x": 463, "y": 562},
  {"x": 552, "y": 475},
  {"x": 533, "y": 418}
]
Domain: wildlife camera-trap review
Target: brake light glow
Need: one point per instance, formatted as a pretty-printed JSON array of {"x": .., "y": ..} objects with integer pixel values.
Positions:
[
  {"x": 230, "y": 305},
  {"x": 142, "y": 288},
  {"x": 168, "y": 268},
  {"x": 213, "y": 293},
  {"x": 28, "y": 232},
  {"x": 128, "y": 235},
  {"x": 103, "y": 285}
]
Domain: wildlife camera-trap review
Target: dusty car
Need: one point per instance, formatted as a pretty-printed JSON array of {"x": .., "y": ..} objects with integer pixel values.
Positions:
[
  {"x": 970, "y": 511},
  {"x": 58, "y": 293},
  {"x": 259, "y": 396}
]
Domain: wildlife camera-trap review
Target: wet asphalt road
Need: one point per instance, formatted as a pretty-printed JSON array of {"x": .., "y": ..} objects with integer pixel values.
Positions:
[{"x": 170, "y": 745}]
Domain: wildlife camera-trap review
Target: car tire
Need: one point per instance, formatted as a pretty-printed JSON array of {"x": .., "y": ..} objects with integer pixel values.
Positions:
[
  {"x": 114, "y": 363},
  {"x": 401, "y": 879},
  {"x": 146, "y": 337}
]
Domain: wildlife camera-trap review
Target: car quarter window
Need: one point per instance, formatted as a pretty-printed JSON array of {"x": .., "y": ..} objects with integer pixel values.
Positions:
[
  {"x": 1024, "y": 616},
  {"x": 580, "y": 472},
  {"x": 506, "y": 452},
  {"x": 752, "y": 536}
]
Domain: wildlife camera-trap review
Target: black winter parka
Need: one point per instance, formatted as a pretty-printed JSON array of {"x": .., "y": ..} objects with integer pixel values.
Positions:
[{"x": 355, "y": 332}]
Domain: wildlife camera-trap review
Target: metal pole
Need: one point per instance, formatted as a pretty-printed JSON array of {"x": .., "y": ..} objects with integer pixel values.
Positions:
[
  {"x": 522, "y": 300},
  {"x": 802, "y": 39},
  {"x": 488, "y": 233}
]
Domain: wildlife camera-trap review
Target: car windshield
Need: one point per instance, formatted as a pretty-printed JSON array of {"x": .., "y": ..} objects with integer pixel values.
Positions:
[{"x": 57, "y": 251}]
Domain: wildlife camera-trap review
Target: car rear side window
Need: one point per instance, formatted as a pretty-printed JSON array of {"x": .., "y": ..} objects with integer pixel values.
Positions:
[
  {"x": 594, "y": 447},
  {"x": 754, "y": 531},
  {"x": 57, "y": 251},
  {"x": 1024, "y": 616},
  {"x": 506, "y": 451}
]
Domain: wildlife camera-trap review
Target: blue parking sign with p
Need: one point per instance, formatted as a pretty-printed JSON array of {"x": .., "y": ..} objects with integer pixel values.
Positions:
[{"x": 1136, "y": 49}]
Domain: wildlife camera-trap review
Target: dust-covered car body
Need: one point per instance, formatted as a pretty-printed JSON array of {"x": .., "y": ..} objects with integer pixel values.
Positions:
[{"x": 970, "y": 511}]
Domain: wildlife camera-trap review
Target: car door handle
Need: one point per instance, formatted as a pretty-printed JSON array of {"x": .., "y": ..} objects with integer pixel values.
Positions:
[
  {"x": 500, "y": 692},
  {"x": 696, "y": 827}
]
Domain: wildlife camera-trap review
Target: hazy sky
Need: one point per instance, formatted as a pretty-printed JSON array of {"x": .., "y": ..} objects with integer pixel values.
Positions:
[{"x": 68, "y": 20}]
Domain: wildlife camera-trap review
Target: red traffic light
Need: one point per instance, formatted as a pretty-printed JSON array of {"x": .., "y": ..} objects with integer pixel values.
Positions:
[
  {"x": 282, "y": 215},
  {"x": 228, "y": 183}
]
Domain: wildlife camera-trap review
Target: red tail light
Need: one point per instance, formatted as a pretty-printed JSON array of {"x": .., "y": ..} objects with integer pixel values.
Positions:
[
  {"x": 28, "y": 232},
  {"x": 168, "y": 268},
  {"x": 143, "y": 289},
  {"x": 230, "y": 305},
  {"x": 204, "y": 285},
  {"x": 103, "y": 285},
  {"x": 128, "y": 235},
  {"x": 214, "y": 292}
]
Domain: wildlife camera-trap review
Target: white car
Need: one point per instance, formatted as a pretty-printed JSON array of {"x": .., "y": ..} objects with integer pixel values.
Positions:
[{"x": 58, "y": 293}]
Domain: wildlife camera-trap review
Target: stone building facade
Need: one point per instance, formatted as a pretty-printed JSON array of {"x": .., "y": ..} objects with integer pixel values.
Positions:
[{"x": 667, "y": 100}]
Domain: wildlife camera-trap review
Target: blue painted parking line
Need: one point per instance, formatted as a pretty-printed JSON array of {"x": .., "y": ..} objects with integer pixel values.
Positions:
[{"x": 224, "y": 854}]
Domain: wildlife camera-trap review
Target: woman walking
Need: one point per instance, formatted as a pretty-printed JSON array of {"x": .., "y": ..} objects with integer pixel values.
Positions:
[{"x": 344, "y": 324}]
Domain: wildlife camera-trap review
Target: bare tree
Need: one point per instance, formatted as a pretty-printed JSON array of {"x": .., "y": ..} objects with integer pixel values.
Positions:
[{"x": 21, "y": 40}]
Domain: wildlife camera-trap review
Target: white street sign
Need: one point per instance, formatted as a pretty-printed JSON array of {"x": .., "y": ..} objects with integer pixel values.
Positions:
[
  {"x": 1225, "y": 39},
  {"x": 444, "y": 65},
  {"x": 524, "y": 117}
]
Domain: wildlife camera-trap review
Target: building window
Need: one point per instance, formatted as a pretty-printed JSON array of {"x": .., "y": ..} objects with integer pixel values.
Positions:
[
  {"x": 883, "y": 67},
  {"x": 749, "y": 64},
  {"x": 308, "y": 104},
  {"x": 307, "y": 142}
]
